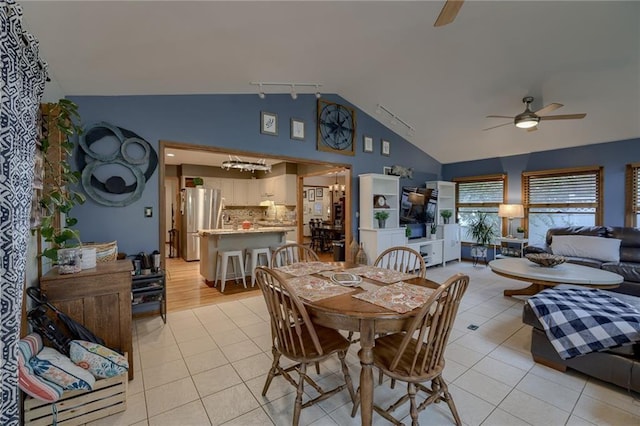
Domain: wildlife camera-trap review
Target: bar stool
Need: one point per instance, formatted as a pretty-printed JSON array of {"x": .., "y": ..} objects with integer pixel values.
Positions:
[
  {"x": 252, "y": 259},
  {"x": 223, "y": 259}
]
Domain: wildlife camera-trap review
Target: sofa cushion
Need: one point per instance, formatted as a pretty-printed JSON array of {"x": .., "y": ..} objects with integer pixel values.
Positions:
[
  {"x": 593, "y": 231},
  {"x": 605, "y": 249},
  {"x": 58, "y": 368},
  {"x": 593, "y": 263},
  {"x": 630, "y": 245},
  {"x": 630, "y": 271},
  {"x": 29, "y": 382}
]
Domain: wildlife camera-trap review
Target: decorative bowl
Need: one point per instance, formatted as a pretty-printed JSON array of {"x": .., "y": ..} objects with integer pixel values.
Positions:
[{"x": 545, "y": 259}]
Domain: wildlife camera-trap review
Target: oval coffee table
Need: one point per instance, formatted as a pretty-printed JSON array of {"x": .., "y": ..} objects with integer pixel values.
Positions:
[{"x": 541, "y": 277}]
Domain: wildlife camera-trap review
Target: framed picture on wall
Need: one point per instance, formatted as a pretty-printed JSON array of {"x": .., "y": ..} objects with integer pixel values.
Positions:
[
  {"x": 318, "y": 193},
  {"x": 304, "y": 194},
  {"x": 367, "y": 144},
  {"x": 297, "y": 129},
  {"x": 387, "y": 170},
  {"x": 268, "y": 123},
  {"x": 386, "y": 148},
  {"x": 311, "y": 195}
]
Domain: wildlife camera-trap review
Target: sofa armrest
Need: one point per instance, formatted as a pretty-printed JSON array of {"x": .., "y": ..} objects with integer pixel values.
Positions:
[{"x": 535, "y": 249}]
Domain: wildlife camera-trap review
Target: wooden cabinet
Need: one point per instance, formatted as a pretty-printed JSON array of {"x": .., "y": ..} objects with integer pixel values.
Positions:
[{"x": 99, "y": 298}]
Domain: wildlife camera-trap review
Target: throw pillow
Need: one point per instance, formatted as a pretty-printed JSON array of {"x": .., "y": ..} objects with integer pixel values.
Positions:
[
  {"x": 604, "y": 249},
  {"x": 29, "y": 382},
  {"x": 102, "y": 362},
  {"x": 58, "y": 368}
]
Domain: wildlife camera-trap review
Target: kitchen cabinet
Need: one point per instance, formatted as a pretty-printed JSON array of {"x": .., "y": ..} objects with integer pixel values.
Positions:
[
  {"x": 240, "y": 192},
  {"x": 227, "y": 191},
  {"x": 279, "y": 189},
  {"x": 99, "y": 298}
]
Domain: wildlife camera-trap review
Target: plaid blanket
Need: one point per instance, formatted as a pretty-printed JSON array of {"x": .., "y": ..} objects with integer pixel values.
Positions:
[{"x": 579, "y": 321}]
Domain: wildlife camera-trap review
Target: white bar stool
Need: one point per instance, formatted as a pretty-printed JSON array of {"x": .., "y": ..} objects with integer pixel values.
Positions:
[
  {"x": 223, "y": 259},
  {"x": 252, "y": 259}
]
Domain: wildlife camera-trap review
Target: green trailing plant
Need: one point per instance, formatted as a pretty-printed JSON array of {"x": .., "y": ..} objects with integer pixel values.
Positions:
[
  {"x": 381, "y": 215},
  {"x": 481, "y": 229},
  {"x": 58, "y": 196}
]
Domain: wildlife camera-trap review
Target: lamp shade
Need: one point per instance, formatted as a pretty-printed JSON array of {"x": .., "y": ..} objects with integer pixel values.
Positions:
[{"x": 511, "y": 210}]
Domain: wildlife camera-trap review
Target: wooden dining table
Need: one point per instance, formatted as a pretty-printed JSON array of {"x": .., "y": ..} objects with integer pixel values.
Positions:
[{"x": 345, "y": 312}]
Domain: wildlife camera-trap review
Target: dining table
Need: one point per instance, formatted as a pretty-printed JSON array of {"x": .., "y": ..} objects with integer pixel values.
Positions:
[{"x": 349, "y": 313}]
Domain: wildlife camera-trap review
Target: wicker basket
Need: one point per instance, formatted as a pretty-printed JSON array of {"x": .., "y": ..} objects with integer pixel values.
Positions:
[
  {"x": 545, "y": 259},
  {"x": 105, "y": 252}
]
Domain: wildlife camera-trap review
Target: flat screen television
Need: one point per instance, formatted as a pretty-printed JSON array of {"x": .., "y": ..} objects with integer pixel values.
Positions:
[{"x": 416, "y": 209}]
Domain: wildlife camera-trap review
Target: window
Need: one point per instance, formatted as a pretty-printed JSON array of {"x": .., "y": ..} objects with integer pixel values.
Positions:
[
  {"x": 566, "y": 197},
  {"x": 479, "y": 194},
  {"x": 632, "y": 195}
]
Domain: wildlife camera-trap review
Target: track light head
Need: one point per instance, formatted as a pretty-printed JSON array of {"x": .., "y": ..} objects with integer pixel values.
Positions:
[
  {"x": 261, "y": 95},
  {"x": 294, "y": 95}
]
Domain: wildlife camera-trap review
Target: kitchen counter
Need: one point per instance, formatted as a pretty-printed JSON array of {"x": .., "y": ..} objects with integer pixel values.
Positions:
[
  {"x": 212, "y": 240},
  {"x": 259, "y": 230}
]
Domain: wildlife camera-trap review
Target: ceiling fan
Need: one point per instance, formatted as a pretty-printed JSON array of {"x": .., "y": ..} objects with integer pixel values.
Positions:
[
  {"x": 448, "y": 13},
  {"x": 529, "y": 119}
]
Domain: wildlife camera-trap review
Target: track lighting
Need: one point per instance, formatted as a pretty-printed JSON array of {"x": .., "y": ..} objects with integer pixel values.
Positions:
[
  {"x": 395, "y": 119},
  {"x": 294, "y": 93}
]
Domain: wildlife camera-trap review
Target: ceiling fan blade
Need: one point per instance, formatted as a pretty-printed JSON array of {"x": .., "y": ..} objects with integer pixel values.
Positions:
[
  {"x": 548, "y": 108},
  {"x": 448, "y": 13},
  {"x": 499, "y": 116},
  {"x": 499, "y": 125},
  {"x": 563, "y": 117}
]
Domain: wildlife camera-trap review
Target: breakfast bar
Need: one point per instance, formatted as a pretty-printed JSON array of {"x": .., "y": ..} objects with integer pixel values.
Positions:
[{"x": 212, "y": 240}]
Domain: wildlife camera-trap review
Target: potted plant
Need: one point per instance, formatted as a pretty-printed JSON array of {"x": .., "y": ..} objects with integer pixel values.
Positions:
[
  {"x": 58, "y": 196},
  {"x": 407, "y": 232},
  {"x": 520, "y": 232},
  {"x": 481, "y": 230},
  {"x": 446, "y": 214},
  {"x": 433, "y": 230},
  {"x": 382, "y": 218}
]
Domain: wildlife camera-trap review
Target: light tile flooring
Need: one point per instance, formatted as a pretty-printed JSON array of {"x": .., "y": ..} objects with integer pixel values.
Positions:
[{"x": 208, "y": 365}]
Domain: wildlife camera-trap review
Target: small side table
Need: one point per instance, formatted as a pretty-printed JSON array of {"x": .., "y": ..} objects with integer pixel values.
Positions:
[
  {"x": 512, "y": 247},
  {"x": 149, "y": 292}
]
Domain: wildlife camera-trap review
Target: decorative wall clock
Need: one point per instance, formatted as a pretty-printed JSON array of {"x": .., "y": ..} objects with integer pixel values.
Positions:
[{"x": 336, "y": 128}]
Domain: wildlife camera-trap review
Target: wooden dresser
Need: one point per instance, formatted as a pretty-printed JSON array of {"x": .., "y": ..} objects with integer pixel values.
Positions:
[{"x": 99, "y": 298}]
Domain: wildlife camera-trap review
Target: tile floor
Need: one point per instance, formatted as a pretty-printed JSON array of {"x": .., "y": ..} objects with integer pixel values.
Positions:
[{"x": 207, "y": 366}]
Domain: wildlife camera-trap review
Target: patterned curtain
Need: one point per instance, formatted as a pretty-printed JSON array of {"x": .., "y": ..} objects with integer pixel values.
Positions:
[{"x": 21, "y": 86}]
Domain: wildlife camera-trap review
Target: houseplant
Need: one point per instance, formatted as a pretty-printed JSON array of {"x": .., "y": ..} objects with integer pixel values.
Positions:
[
  {"x": 520, "y": 232},
  {"x": 433, "y": 229},
  {"x": 381, "y": 216},
  {"x": 446, "y": 215},
  {"x": 481, "y": 230},
  {"x": 58, "y": 195}
]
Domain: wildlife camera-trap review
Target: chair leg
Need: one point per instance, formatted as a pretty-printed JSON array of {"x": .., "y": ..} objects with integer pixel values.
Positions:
[
  {"x": 347, "y": 377},
  {"x": 411, "y": 390},
  {"x": 449, "y": 400},
  {"x": 298, "y": 407},
  {"x": 272, "y": 371},
  {"x": 318, "y": 368},
  {"x": 356, "y": 403}
]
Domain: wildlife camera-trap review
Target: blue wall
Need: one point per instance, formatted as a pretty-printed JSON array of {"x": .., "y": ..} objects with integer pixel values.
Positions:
[
  {"x": 227, "y": 121},
  {"x": 613, "y": 156}
]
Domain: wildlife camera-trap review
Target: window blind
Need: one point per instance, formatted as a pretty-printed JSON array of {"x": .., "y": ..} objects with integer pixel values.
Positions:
[
  {"x": 634, "y": 184},
  {"x": 569, "y": 189},
  {"x": 481, "y": 192}
]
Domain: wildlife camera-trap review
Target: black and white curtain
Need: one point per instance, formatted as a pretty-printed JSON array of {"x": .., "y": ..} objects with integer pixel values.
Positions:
[{"x": 22, "y": 81}]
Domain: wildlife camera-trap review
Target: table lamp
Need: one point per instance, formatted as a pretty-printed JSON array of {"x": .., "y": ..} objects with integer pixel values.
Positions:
[{"x": 511, "y": 211}]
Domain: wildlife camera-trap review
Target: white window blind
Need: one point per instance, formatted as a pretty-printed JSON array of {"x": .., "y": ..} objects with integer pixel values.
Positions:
[
  {"x": 481, "y": 192},
  {"x": 578, "y": 189}
]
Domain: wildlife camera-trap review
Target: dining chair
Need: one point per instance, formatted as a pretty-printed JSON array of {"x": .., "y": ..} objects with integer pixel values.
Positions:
[
  {"x": 298, "y": 339},
  {"x": 402, "y": 259},
  {"x": 292, "y": 253},
  {"x": 421, "y": 359}
]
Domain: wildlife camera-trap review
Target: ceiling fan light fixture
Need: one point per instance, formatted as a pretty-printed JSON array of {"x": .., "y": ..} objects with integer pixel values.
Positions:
[{"x": 526, "y": 122}]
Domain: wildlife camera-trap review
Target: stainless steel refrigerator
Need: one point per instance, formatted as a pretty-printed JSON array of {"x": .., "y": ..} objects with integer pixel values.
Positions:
[{"x": 200, "y": 209}]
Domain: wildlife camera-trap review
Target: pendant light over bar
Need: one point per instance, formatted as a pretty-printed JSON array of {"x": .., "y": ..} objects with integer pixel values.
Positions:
[
  {"x": 395, "y": 119},
  {"x": 292, "y": 86},
  {"x": 246, "y": 166}
]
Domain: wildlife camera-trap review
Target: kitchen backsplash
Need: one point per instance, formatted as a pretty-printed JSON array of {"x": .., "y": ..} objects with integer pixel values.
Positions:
[{"x": 254, "y": 214}]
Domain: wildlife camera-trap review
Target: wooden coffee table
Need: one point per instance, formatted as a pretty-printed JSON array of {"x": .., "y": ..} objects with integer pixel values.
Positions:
[{"x": 541, "y": 277}]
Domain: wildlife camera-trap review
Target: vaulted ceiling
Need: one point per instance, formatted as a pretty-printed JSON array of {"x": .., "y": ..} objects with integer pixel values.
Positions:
[{"x": 442, "y": 81}]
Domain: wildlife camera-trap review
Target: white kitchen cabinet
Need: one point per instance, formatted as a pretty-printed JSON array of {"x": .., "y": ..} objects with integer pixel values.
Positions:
[
  {"x": 279, "y": 189},
  {"x": 211, "y": 182},
  {"x": 450, "y": 234},
  {"x": 253, "y": 192},
  {"x": 240, "y": 192},
  {"x": 375, "y": 241},
  {"x": 226, "y": 185}
]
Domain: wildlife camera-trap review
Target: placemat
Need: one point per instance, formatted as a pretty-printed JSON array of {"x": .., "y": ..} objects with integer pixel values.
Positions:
[
  {"x": 314, "y": 288},
  {"x": 306, "y": 268},
  {"x": 399, "y": 297},
  {"x": 383, "y": 275}
]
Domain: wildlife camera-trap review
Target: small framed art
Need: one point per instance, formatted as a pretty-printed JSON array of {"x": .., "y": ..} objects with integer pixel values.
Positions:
[
  {"x": 367, "y": 144},
  {"x": 304, "y": 195},
  {"x": 387, "y": 170},
  {"x": 297, "y": 129},
  {"x": 311, "y": 195},
  {"x": 385, "y": 148},
  {"x": 318, "y": 193},
  {"x": 268, "y": 123}
]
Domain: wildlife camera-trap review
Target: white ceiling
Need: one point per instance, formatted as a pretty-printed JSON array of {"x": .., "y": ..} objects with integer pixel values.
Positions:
[{"x": 442, "y": 81}]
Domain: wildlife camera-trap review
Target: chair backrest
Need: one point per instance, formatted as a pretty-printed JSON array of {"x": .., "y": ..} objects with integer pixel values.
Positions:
[
  {"x": 290, "y": 322},
  {"x": 432, "y": 327},
  {"x": 402, "y": 259},
  {"x": 292, "y": 253}
]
